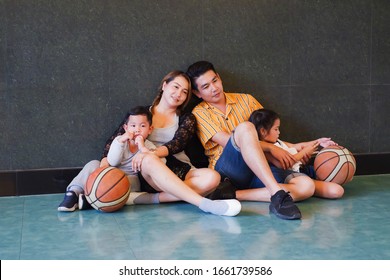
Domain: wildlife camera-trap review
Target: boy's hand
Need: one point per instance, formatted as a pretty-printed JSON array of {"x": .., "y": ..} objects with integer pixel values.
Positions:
[
  {"x": 127, "y": 136},
  {"x": 139, "y": 141},
  {"x": 104, "y": 162}
]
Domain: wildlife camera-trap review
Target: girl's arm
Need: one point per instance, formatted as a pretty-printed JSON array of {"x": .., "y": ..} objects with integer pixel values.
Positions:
[
  {"x": 306, "y": 152},
  {"x": 323, "y": 142},
  {"x": 301, "y": 145}
]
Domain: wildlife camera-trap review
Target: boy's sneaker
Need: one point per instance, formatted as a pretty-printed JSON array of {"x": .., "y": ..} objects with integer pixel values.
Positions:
[
  {"x": 225, "y": 190},
  {"x": 282, "y": 206},
  {"x": 70, "y": 202},
  {"x": 83, "y": 203}
]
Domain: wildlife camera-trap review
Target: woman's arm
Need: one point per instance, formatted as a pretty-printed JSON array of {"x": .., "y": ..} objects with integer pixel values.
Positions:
[{"x": 183, "y": 135}]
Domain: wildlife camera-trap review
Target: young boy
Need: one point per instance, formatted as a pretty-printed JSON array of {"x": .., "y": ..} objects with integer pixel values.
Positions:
[{"x": 138, "y": 126}]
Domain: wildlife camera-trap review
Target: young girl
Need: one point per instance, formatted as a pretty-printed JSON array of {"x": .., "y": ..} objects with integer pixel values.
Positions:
[{"x": 267, "y": 124}]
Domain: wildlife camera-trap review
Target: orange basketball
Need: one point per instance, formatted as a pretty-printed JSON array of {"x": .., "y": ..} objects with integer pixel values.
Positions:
[
  {"x": 107, "y": 189},
  {"x": 335, "y": 164}
]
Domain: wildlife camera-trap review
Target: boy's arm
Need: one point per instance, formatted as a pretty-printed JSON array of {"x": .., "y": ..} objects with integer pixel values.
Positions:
[
  {"x": 120, "y": 130},
  {"x": 140, "y": 142},
  {"x": 115, "y": 153}
]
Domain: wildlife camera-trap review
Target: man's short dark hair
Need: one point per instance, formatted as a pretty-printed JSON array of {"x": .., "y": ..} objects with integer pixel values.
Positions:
[{"x": 197, "y": 69}]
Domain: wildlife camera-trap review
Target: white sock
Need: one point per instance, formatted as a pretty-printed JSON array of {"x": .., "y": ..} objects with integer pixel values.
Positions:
[{"x": 227, "y": 207}]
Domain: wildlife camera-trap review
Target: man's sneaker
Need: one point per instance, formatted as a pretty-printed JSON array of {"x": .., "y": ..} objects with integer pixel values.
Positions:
[
  {"x": 225, "y": 190},
  {"x": 70, "y": 202},
  {"x": 83, "y": 203},
  {"x": 282, "y": 206}
]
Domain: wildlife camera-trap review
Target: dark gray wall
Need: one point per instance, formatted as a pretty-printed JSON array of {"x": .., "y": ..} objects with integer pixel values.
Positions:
[{"x": 69, "y": 70}]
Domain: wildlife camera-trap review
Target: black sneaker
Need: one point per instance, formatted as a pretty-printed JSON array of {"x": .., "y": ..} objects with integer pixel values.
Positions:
[
  {"x": 70, "y": 202},
  {"x": 83, "y": 203},
  {"x": 282, "y": 206},
  {"x": 225, "y": 190}
]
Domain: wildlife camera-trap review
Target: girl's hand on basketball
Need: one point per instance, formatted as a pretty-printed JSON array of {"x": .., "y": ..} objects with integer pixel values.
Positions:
[{"x": 326, "y": 142}]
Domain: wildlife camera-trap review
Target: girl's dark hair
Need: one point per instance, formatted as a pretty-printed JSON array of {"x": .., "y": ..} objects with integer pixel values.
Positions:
[
  {"x": 263, "y": 118},
  {"x": 167, "y": 79},
  {"x": 197, "y": 69},
  {"x": 139, "y": 110}
]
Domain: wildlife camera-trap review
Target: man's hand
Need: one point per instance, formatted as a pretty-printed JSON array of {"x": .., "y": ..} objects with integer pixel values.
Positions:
[{"x": 285, "y": 159}]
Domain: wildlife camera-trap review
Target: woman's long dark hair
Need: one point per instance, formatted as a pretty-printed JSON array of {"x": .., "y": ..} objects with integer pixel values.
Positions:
[{"x": 167, "y": 79}]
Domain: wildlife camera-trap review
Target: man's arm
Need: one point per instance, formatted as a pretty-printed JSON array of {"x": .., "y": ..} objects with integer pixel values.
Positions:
[
  {"x": 221, "y": 138},
  {"x": 285, "y": 159},
  {"x": 276, "y": 155}
]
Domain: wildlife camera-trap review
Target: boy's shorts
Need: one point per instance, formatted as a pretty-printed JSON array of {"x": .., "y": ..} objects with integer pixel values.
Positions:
[{"x": 231, "y": 164}]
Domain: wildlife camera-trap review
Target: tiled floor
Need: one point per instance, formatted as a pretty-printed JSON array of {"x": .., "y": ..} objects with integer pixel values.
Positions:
[{"x": 355, "y": 227}]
